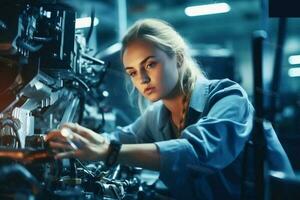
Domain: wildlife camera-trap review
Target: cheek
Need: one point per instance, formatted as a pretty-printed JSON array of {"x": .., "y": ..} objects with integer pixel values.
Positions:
[
  {"x": 157, "y": 78},
  {"x": 136, "y": 85},
  {"x": 170, "y": 78}
]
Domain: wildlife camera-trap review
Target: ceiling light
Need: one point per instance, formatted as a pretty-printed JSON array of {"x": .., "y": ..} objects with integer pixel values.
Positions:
[
  {"x": 85, "y": 22},
  {"x": 207, "y": 9},
  {"x": 294, "y": 72},
  {"x": 294, "y": 60}
]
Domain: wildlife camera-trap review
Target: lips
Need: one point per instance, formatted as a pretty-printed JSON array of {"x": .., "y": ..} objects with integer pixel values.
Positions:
[{"x": 149, "y": 90}]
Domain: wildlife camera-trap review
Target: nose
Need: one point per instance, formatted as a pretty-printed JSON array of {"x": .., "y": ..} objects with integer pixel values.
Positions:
[{"x": 145, "y": 78}]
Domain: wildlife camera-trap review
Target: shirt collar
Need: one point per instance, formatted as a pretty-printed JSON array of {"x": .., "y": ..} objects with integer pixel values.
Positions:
[
  {"x": 199, "y": 94},
  {"x": 197, "y": 102}
]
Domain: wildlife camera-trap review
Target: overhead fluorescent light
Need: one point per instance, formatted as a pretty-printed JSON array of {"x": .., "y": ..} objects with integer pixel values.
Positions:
[
  {"x": 294, "y": 72},
  {"x": 207, "y": 9},
  {"x": 294, "y": 60},
  {"x": 85, "y": 22}
]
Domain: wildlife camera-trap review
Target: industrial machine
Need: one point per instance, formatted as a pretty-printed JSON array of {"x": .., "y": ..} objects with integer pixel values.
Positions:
[{"x": 47, "y": 78}]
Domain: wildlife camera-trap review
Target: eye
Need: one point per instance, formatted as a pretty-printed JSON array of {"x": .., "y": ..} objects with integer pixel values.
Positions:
[
  {"x": 150, "y": 65},
  {"x": 132, "y": 74}
]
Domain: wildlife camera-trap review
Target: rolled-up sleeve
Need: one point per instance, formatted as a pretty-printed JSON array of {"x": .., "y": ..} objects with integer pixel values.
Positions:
[{"x": 208, "y": 145}]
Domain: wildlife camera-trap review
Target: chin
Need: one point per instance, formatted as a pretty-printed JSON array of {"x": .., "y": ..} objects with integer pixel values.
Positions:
[{"x": 153, "y": 98}]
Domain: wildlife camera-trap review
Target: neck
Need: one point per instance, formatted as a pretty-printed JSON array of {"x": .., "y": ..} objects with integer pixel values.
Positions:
[
  {"x": 174, "y": 105},
  {"x": 173, "y": 101},
  {"x": 178, "y": 103}
]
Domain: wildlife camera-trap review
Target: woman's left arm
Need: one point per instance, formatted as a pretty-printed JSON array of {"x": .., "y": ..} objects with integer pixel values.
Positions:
[
  {"x": 210, "y": 144},
  {"x": 140, "y": 155}
]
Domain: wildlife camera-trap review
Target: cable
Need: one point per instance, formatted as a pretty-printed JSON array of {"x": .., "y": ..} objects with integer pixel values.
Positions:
[
  {"x": 92, "y": 25},
  {"x": 108, "y": 64},
  {"x": 81, "y": 106},
  {"x": 85, "y": 168},
  {"x": 13, "y": 124},
  {"x": 82, "y": 83},
  {"x": 101, "y": 126}
]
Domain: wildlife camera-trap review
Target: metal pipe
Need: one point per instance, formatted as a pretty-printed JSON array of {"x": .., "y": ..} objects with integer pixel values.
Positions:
[
  {"x": 122, "y": 18},
  {"x": 277, "y": 68},
  {"x": 258, "y": 131}
]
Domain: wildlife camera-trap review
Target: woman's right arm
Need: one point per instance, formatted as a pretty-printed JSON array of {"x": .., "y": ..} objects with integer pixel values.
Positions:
[
  {"x": 93, "y": 146},
  {"x": 138, "y": 131}
]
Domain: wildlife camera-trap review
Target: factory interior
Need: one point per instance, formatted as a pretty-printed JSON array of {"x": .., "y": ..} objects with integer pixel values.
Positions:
[{"x": 65, "y": 62}]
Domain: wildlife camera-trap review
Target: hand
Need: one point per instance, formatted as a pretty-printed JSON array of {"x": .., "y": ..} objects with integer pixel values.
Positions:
[{"x": 87, "y": 145}]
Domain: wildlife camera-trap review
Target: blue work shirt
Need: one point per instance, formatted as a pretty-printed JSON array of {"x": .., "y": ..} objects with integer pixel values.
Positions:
[{"x": 204, "y": 162}]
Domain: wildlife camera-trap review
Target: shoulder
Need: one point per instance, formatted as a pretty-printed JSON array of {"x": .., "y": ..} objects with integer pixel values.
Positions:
[
  {"x": 225, "y": 87},
  {"x": 226, "y": 91},
  {"x": 207, "y": 92}
]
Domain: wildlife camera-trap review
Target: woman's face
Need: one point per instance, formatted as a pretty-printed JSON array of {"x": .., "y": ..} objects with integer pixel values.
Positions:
[{"x": 152, "y": 71}]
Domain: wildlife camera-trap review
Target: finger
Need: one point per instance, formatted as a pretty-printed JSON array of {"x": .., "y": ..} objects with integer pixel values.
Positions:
[
  {"x": 90, "y": 134},
  {"x": 69, "y": 154},
  {"x": 58, "y": 145},
  {"x": 54, "y": 135},
  {"x": 79, "y": 141},
  {"x": 68, "y": 125},
  {"x": 83, "y": 131},
  {"x": 73, "y": 141},
  {"x": 73, "y": 126},
  {"x": 56, "y": 151}
]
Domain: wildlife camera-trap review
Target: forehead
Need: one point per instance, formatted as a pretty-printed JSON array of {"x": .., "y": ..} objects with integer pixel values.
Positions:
[{"x": 138, "y": 50}]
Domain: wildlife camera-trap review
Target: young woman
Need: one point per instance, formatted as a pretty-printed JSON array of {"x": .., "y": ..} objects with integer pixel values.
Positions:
[{"x": 195, "y": 130}]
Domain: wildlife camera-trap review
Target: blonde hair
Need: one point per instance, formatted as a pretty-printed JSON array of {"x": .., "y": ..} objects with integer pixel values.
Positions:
[{"x": 163, "y": 36}]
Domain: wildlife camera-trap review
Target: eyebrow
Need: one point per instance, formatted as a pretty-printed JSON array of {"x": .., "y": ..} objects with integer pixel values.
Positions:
[{"x": 142, "y": 62}]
